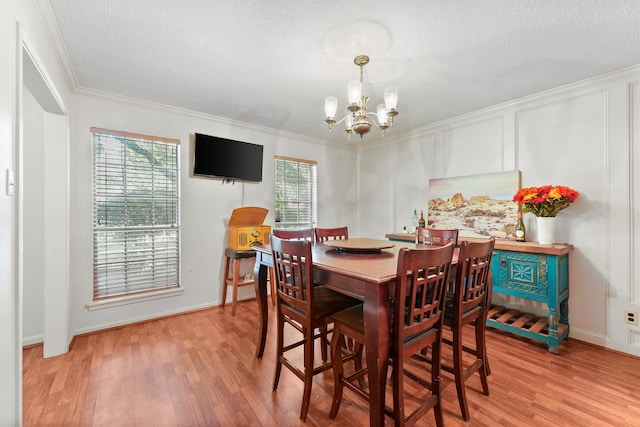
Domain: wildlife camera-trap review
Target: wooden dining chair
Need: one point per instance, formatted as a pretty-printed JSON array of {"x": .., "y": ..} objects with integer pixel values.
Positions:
[
  {"x": 303, "y": 234},
  {"x": 436, "y": 236},
  {"x": 306, "y": 233},
  {"x": 303, "y": 306},
  {"x": 467, "y": 305},
  {"x": 417, "y": 321},
  {"x": 336, "y": 233}
]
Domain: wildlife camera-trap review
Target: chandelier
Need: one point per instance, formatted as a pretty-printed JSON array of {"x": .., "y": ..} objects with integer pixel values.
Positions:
[{"x": 358, "y": 120}]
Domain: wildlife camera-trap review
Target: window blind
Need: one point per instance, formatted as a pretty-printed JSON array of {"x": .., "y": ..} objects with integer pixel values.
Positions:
[
  {"x": 295, "y": 193},
  {"x": 136, "y": 227}
]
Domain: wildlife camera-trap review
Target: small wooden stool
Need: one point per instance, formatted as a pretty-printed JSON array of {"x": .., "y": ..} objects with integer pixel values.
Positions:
[{"x": 235, "y": 280}]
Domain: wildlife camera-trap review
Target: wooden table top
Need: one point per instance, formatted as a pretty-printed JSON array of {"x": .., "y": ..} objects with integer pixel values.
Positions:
[
  {"x": 373, "y": 267},
  {"x": 502, "y": 244}
]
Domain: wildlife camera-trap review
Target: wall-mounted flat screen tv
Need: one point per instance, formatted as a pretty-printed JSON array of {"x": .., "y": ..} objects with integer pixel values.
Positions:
[{"x": 227, "y": 158}]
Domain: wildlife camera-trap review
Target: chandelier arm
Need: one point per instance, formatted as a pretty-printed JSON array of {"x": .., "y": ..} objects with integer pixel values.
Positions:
[
  {"x": 361, "y": 117},
  {"x": 341, "y": 120}
]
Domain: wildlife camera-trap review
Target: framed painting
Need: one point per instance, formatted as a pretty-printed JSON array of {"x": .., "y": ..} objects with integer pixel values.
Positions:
[{"x": 477, "y": 205}]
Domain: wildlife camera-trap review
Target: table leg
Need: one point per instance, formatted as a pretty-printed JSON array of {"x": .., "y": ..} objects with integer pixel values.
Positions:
[
  {"x": 377, "y": 337},
  {"x": 260, "y": 276}
]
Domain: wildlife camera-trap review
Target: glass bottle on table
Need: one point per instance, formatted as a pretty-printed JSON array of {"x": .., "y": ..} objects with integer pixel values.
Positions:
[
  {"x": 521, "y": 231},
  {"x": 421, "y": 221},
  {"x": 414, "y": 221}
]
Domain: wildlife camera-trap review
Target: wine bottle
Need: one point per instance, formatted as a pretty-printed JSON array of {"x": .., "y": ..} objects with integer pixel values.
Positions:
[
  {"x": 421, "y": 222},
  {"x": 414, "y": 221},
  {"x": 520, "y": 229}
]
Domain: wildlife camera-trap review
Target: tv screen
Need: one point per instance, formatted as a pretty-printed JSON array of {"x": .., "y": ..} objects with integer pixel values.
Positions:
[{"x": 226, "y": 158}]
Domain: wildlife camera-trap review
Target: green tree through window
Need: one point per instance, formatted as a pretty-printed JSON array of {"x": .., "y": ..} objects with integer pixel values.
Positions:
[
  {"x": 136, "y": 230},
  {"x": 295, "y": 193}
]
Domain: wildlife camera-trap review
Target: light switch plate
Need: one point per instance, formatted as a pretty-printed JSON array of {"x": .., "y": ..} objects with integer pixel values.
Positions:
[{"x": 10, "y": 182}]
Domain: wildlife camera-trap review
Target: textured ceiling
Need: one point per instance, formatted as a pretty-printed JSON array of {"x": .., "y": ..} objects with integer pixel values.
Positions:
[{"x": 271, "y": 63}]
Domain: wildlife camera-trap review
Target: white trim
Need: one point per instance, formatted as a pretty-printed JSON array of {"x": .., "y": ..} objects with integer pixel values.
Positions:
[
  {"x": 18, "y": 233},
  {"x": 146, "y": 318},
  {"x": 133, "y": 299},
  {"x": 49, "y": 22},
  {"x": 33, "y": 340},
  {"x": 183, "y": 111},
  {"x": 526, "y": 102},
  {"x": 47, "y": 94}
]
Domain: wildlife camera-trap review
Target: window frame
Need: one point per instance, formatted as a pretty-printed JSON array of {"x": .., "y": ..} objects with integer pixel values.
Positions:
[{"x": 163, "y": 238}]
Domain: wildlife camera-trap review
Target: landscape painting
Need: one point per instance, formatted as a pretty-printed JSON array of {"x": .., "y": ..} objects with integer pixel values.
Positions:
[{"x": 477, "y": 205}]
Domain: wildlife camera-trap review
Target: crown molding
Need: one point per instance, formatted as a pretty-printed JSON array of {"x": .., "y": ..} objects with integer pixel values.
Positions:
[
  {"x": 195, "y": 114},
  {"x": 48, "y": 20},
  {"x": 630, "y": 74}
]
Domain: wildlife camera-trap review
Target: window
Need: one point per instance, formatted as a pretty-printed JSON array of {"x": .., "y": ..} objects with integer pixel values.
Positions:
[
  {"x": 295, "y": 193},
  {"x": 136, "y": 227}
]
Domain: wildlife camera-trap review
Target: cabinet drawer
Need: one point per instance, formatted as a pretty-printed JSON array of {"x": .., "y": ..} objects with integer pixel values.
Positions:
[{"x": 521, "y": 273}]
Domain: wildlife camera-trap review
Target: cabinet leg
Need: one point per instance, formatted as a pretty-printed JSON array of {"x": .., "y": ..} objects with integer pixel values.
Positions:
[{"x": 552, "y": 337}]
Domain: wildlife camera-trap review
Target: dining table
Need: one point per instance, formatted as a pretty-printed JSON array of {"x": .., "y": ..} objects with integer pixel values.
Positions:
[{"x": 362, "y": 268}]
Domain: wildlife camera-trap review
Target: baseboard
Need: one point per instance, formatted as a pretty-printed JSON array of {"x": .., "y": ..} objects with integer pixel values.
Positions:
[
  {"x": 142, "y": 319},
  {"x": 32, "y": 341}
]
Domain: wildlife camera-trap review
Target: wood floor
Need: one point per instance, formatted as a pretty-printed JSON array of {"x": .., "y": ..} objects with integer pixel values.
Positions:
[{"x": 199, "y": 369}]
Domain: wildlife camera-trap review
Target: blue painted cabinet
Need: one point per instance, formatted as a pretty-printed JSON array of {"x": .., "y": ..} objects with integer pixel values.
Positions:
[{"x": 536, "y": 276}]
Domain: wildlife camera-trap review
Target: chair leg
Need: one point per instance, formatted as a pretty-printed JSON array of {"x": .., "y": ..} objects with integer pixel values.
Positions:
[
  {"x": 272, "y": 282},
  {"x": 487, "y": 369},
  {"x": 224, "y": 281},
  {"x": 308, "y": 373},
  {"x": 279, "y": 350},
  {"x": 436, "y": 386},
  {"x": 324, "y": 343},
  {"x": 234, "y": 297},
  {"x": 337, "y": 341},
  {"x": 458, "y": 369},
  {"x": 481, "y": 351},
  {"x": 358, "y": 351},
  {"x": 397, "y": 380}
]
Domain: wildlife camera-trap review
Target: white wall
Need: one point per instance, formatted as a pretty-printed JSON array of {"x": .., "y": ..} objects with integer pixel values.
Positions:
[
  {"x": 206, "y": 204},
  {"x": 33, "y": 235},
  {"x": 582, "y": 136}
]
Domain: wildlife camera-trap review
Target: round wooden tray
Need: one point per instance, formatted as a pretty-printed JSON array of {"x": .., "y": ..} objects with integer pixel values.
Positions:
[{"x": 359, "y": 244}]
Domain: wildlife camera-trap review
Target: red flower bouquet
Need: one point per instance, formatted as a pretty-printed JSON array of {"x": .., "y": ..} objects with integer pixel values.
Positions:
[{"x": 545, "y": 201}]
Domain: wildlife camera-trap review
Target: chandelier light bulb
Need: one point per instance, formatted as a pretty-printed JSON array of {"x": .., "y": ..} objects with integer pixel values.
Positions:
[
  {"x": 354, "y": 92},
  {"x": 330, "y": 106},
  {"x": 383, "y": 118},
  {"x": 391, "y": 98},
  {"x": 348, "y": 123}
]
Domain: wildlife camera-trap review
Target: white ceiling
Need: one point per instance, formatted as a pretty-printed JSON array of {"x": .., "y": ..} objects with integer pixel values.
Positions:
[{"x": 272, "y": 62}]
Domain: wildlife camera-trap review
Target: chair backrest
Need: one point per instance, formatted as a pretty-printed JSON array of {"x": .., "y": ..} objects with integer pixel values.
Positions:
[
  {"x": 472, "y": 284},
  {"x": 304, "y": 234},
  {"x": 436, "y": 236},
  {"x": 292, "y": 266},
  {"x": 420, "y": 297},
  {"x": 337, "y": 233}
]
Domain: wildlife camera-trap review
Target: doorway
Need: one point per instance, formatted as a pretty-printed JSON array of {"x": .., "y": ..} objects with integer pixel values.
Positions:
[{"x": 42, "y": 205}]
